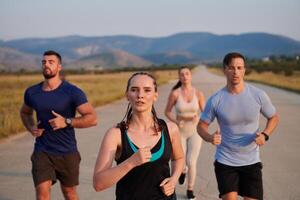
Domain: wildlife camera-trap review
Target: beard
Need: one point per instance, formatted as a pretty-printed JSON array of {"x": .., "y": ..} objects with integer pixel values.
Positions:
[{"x": 48, "y": 74}]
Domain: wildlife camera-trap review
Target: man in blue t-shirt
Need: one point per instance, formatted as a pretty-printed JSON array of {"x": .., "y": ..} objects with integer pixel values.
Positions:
[
  {"x": 55, "y": 154},
  {"x": 237, "y": 108}
]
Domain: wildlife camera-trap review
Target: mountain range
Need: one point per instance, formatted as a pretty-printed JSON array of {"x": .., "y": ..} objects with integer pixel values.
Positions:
[{"x": 80, "y": 52}]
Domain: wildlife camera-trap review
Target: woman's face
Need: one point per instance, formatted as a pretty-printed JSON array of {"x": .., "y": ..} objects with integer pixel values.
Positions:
[
  {"x": 141, "y": 93},
  {"x": 185, "y": 76}
]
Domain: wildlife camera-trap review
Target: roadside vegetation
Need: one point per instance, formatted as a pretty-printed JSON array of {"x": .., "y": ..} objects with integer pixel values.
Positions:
[
  {"x": 100, "y": 88},
  {"x": 281, "y": 72}
]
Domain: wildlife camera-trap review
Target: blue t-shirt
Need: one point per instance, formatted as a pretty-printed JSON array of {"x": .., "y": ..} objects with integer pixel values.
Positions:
[
  {"x": 238, "y": 118},
  {"x": 63, "y": 100}
]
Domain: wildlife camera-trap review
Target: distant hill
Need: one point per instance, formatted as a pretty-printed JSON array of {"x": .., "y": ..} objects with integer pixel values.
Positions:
[
  {"x": 109, "y": 60},
  {"x": 191, "y": 47},
  {"x": 172, "y": 58},
  {"x": 13, "y": 60}
]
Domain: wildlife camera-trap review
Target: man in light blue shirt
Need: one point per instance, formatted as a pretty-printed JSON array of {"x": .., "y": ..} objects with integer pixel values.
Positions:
[{"x": 237, "y": 108}]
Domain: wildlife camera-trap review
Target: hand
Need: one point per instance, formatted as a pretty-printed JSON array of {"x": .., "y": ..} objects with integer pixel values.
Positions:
[
  {"x": 36, "y": 132},
  {"x": 168, "y": 186},
  {"x": 216, "y": 138},
  {"x": 58, "y": 122},
  {"x": 180, "y": 123},
  {"x": 195, "y": 118},
  {"x": 260, "y": 139},
  {"x": 142, "y": 156}
]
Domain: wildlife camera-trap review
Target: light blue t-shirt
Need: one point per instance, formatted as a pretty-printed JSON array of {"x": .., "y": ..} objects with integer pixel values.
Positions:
[{"x": 238, "y": 118}]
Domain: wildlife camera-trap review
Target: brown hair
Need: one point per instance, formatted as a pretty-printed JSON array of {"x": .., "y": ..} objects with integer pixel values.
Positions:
[
  {"x": 178, "y": 84},
  {"x": 228, "y": 58}
]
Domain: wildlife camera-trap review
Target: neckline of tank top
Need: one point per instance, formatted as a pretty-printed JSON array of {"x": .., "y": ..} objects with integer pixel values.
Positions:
[
  {"x": 153, "y": 147},
  {"x": 154, "y": 156},
  {"x": 194, "y": 94}
]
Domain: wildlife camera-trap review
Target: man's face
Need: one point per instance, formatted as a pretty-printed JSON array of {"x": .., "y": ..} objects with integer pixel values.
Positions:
[
  {"x": 235, "y": 71},
  {"x": 51, "y": 66}
]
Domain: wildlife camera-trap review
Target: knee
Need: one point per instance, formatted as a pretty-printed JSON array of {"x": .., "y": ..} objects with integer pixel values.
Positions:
[
  {"x": 43, "y": 191},
  {"x": 43, "y": 195},
  {"x": 70, "y": 193}
]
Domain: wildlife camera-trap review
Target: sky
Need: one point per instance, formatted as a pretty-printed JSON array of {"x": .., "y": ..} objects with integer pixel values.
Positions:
[{"x": 147, "y": 18}]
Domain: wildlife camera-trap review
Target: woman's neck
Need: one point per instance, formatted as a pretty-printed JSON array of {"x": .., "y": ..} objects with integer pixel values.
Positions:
[
  {"x": 187, "y": 86},
  {"x": 141, "y": 122}
]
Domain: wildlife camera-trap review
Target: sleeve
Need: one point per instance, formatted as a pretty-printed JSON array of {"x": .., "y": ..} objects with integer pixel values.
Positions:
[
  {"x": 79, "y": 97},
  {"x": 267, "y": 108},
  {"x": 27, "y": 99},
  {"x": 209, "y": 114}
]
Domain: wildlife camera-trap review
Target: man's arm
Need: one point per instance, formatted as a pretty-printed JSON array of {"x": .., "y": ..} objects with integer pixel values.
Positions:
[
  {"x": 86, "y": 119},
  {"x": 88, "y": 116},
  {"x": 202, "y": 129},
  {"x": 26, "y": 114},
  {"x": 270, "y": 126}
]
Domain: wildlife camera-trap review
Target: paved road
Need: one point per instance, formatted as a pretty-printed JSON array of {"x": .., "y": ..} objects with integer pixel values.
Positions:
[{"x": 280, "y": 155}]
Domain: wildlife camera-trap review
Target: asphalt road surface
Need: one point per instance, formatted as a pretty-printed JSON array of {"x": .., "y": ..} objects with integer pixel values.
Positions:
[{"x": 280, "y": 156}]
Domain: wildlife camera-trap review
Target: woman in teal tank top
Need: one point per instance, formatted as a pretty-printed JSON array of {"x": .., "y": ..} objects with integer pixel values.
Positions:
[{"x": 142, "y": 146}]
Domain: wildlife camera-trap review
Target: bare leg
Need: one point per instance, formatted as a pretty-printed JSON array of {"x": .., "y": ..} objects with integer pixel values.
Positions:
[
  {"x": 230, "y": 196},
  {"x": 70, "y": 193},
  {"x": 43, "y": 190},
  {"x": 248, "y": 198}
]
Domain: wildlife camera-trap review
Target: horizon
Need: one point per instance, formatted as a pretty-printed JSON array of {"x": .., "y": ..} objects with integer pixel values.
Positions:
[{"x": 153, "y": 37}]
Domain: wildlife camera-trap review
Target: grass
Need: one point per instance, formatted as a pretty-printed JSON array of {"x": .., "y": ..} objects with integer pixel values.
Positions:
[
  {"x": 290, "y": 83},
  {"x": 100, "y": 89}
]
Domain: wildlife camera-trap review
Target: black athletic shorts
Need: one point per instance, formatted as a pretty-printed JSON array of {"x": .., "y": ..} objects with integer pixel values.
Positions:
[
  {"x": 246, "y": 180},
  {"x": 65, "y": 168}
]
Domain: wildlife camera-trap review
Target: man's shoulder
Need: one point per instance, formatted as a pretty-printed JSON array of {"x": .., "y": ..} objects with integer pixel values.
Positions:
[
  {"x": 71, "y": 87},
  {"x": 217, "y": 95},
  {"x": 34, "y": 88},
  {"x": 254, "y": 90}
]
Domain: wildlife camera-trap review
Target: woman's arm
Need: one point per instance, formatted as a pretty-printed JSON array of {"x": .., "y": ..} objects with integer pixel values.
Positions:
[
  {"x": 168, "y": 110},
  {"x": 104, "y": 174},
  {"x": 168, "y": 185},
  {"x": 201, "y": 100}
]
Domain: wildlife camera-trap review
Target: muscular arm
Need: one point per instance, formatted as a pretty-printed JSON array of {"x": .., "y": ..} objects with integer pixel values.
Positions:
[
  {"x": 270, "y": 126},
  {"x": 202, "y": 129},
  {"x": 168, "y": 111},
  {"x": 88, "y": 116},
  {"x": 86, "y": 119},
  {"x": 26, "y": 114}
]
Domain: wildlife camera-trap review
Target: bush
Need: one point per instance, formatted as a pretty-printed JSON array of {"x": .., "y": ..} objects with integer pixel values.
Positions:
[{"x": 288, "y": 72}]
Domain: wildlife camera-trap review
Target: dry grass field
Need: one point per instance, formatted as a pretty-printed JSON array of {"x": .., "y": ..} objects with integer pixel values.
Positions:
[
  {"x": 100, "y": 89},
  {"x": 291, "y": 83}
]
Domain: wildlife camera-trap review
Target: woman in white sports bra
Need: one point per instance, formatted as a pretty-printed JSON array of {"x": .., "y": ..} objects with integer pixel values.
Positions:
[{"x": 188, "y": 102}]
